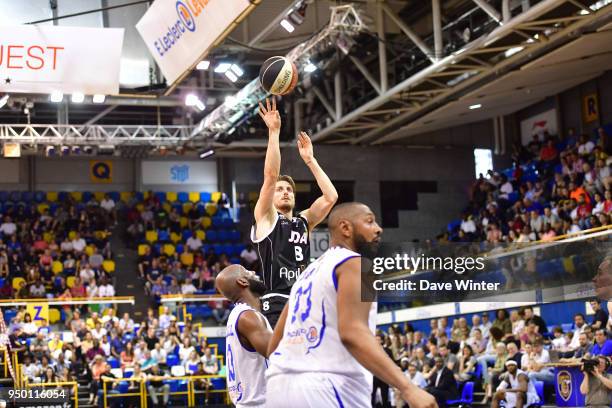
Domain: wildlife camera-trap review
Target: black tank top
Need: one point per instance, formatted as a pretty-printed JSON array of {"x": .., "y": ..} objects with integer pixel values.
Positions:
[{"x": 284, "y": 253}]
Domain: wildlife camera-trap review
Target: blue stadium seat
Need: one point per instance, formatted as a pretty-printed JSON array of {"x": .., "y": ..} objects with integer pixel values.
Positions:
[
  {"x": 87, "y": 196},
  {"x": 212, "y": 236},
  {"x": 183, "y": 197},
  {"x": 205, "y": 196},
  {"x": 224, "y": 236},
  {"x": 186, "y": 234},
  {"x": 453, "y": 225},
  {"x": 218, "y": 248},
  {"x": 167, "y": 279},
  {"x": 227, "y": 249},
  {"x": 467, "y": 395},
  {"x": 114, "y": 363},
  {"x": 139, "y": 196},
  {"x": 161, "y": 196},
  {"x": 27, "y": 196},
  {"x": 15, "y": 196},
  {"x": 539, "y": 387},
  {"x": 127, "y": 374},
  {"x": 62, "y": 196},
  {"x": 157, "y": 249},
  {"x": 217, "y": 222},
  {"x": 234, "y": 260},
  {"x": 123, "y": 386},
  {"x": 172, "y": 360},
  {"x": 4, "y": 196},
  {"x": 115, "y": 195},
  {"x": 227, "y": 222},
  {"x": 180, "y": 248},
  {"x": 163, "y": 236},
  {"x": 178, "y": 207}
]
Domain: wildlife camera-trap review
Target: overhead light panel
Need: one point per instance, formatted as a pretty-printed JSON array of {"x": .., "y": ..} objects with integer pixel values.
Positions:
[
  {"x": 99, "y": 98},
  {"x": 237, "y": 70},
  {"x": 287, "y": 25},
  {"x": 4, "y": 100},
  {"x": 510, "y": 52},
  {"x": 203, "y": 65},
  {"x": 222, "y": 67},
  {"x": 231, "y": 76},
  {"x": 207, "y": 153},
  {"x": 77, "y": 97},
  {"x": 191, "y": 100},
  {"x": 310, "y": 67},
  {"x": 476, "y": 106},
  {"x": 56, "y": 96},
  {"x": 200, "y": 105}
]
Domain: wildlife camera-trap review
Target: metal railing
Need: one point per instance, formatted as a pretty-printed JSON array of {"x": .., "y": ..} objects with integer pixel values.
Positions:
[{"x": 143, "y": 394}]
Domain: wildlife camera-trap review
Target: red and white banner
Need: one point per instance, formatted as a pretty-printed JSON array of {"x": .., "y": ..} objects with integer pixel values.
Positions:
[
  {"x": 43, "y": 59},
  {"x": 180, "y": 32},
  {"x": 538, "y": 125}
]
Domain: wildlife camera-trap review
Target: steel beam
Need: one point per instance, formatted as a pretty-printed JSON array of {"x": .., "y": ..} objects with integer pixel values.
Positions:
[
  {"x": 324, "y": 101},
  {"x": 338, "y": 93},
  {"x": 437, "y": 28},
  {"x": 409, "y": 33},
  {"x": 364, "y": 70},
  {"x": 489, "y": 9},
  {"x": 382, "y": 48},
  {"x": 446, "y": 62}
]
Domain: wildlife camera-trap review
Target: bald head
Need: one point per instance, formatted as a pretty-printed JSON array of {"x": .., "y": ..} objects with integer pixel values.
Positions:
[
  {"x": 234, "y": 281},
  {"x": 346, "y": 212}
]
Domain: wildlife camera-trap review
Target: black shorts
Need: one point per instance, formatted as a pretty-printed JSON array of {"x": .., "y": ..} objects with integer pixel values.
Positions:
[{"x": 272, "y": 308}]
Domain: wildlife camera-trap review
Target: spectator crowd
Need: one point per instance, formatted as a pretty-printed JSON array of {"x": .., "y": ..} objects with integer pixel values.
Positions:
[
  {"x": 555, "y": 187},
  {"x": 482, "y": 351}
]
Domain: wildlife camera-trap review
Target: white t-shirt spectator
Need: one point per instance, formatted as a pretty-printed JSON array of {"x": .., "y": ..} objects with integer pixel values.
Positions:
[
  {"x": 108, "y": 204},
  {"x": 586, "y": 148},
  {"x": 38, "y": 290},
  {"x": 468, "y": 226},
  {"x": 8, "y": 228},
  {"x": 159, "y": 356},
  {"x": 79, "y": 244},
  {"x": 106, "y": 290},
  {"x": 66, "y": 246},
  {"x": 505, "y": 190},
  {"x": 98, "y": 334},
  {"x": 559, "y": 343},
  {"x": 188, "y": 288},
  {"x": 575, "y": 343},
  {"x": 248, "y": 256},
  {"x": 92, "y": 290},
  {"x": 417, "y": 380},
  {"x": 184, "y": 352},
  {"x": 194, "y": 243},
  {"x": 86, "y": 274},
  {"x": 164, "y": 321}
]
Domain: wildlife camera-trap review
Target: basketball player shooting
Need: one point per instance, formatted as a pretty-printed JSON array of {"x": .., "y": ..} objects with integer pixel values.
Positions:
[
  {"x": 324, "y": 341},
  {"x": 282, "y": 238},
  {"x": 247, "y": 336}
]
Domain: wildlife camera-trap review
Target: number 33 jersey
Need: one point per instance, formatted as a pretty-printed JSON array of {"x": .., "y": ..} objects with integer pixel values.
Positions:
[{"x": 311, "y": 341}]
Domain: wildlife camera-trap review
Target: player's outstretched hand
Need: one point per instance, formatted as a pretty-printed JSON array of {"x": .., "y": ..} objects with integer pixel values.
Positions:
[
  {"x": 270, "y": 115},
  {"x": 417, "y": 398},
  {"x": 305, "y": 147}
]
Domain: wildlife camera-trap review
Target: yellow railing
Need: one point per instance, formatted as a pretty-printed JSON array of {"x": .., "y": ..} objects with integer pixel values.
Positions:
[
  {"x": 142, "y": 393},
  {"x": 73, "y": 384}
]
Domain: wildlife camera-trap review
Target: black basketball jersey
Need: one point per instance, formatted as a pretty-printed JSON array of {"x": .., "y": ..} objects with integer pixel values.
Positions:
[{"x": 284, "y": 253}]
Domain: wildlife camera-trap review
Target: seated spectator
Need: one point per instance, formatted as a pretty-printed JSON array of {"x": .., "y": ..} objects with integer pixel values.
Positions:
[
  {"x": 441, "y": 383},
  {"x": 467, "y": 364},
  {"x": 249, "y": 258},
  {"x": 535, "y": 368},
  {"x": 491, "y": 374},
  {"x": 603, "y": 345},
  {"x": 517, "y": 389},
  {"x": 600, "y": 317},
  {"x": 156, "y": 386},
  {"x": 211, "y": 366}
]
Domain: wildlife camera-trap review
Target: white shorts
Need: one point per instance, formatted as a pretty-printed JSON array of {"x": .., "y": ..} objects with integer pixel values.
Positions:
[
  {"x": 511, "y": 399},
  {"x": 317, "y": 390}
]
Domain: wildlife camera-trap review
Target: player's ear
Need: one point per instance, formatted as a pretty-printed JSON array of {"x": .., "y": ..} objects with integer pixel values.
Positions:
[
  {"x": 346, "y": 227},
  {"x": 242, "y": 282}
]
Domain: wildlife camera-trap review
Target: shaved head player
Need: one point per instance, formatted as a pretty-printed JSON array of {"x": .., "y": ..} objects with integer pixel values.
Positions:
[
  {"x": 281, "y": 237},
  {"x": 247, "y": 337},
  {"x": 324, "y": 345}
]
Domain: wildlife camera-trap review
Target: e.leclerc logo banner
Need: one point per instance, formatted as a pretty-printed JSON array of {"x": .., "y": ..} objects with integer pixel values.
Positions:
[{"x": 179, "y": 32}]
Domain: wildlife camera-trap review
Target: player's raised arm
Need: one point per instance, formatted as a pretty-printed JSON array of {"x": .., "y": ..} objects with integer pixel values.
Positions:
[
  {"x": 356, "y": 336},
  {"x": 322, "y": 205},
  {"x": 264, "y": 209},
  {"x": 277, "y": 336},
  {"x": 252, "y": 328}
]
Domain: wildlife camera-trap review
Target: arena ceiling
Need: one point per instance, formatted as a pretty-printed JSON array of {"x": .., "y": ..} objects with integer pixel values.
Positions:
[{"x": 427, "y": 84}]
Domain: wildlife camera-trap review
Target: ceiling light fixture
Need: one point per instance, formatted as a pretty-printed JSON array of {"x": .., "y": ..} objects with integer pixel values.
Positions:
[
  {"x": 203, "y": 65},
  {"x": 56, "y": 96},
  {"x": 476, "y": 106},
  {"x": 4, "y": 100},
  {"x": 77, "y": 97},
  {"x": 207, "y": 153},
  {"x": 222, "y": 67},
  {"x": 99, "y": 98}
]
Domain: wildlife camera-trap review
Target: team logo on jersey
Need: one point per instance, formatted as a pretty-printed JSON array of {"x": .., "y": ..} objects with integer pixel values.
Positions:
[
  {"x": 313, "y": 334},
  {"x": 297, "y": 238},
  {"x": 235, "y": 392},
  {"x": 564, "y": 384}
]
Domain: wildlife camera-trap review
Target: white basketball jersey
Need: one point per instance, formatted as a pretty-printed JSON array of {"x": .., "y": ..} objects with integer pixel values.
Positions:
[
  {"x": 311, "y": 342},
  {"x": 246, "y": 382}
]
